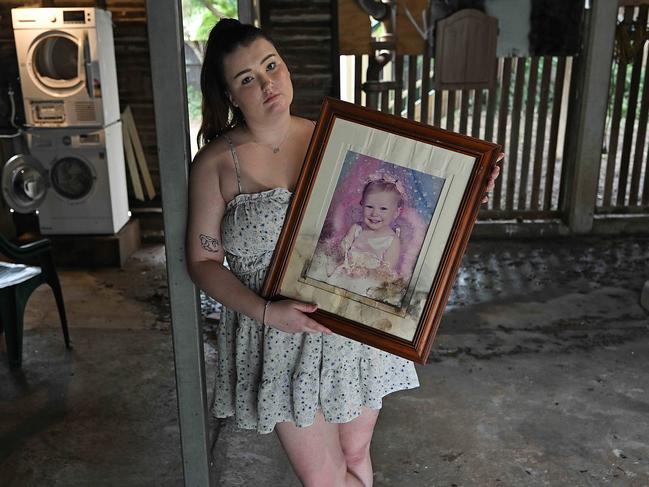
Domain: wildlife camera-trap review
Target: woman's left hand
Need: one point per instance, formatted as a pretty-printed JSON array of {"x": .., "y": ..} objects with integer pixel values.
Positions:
[{"x": 492, "y": 178}]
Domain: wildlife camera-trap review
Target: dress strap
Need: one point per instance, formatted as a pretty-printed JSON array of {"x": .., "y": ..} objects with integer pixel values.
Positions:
[{"x": 236, "y": 161}]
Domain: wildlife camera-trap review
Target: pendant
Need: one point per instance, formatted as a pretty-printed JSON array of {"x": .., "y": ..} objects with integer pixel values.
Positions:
[{"x": 275, "y": 150}]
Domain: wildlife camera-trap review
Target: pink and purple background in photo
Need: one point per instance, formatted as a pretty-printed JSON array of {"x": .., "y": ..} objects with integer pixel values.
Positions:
[{"x": 421, "y": 195}]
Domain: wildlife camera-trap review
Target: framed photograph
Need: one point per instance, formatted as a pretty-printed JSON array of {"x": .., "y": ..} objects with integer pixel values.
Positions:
[{"x": 378, "y": 224}]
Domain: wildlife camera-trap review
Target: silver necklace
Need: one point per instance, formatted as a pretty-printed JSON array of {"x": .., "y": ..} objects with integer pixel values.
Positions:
[{"x": 277, "y": 147}]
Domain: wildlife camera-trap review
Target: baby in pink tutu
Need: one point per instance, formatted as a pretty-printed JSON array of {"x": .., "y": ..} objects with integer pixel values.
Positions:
[{"x": 371, "y": 249}]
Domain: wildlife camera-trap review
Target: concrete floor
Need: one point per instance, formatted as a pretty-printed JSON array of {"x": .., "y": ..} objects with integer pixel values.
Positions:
[{"x": 538, "y": 377}]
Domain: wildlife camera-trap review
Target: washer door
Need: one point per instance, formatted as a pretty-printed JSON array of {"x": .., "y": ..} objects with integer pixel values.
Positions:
[
  {"x": 72, "y": 178},
  {"x": 24, "y": 183},
  {"x": 55, "y": 60}
]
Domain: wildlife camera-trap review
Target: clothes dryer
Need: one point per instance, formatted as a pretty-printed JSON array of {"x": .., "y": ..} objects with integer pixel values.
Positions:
[
  {"x": 74, "y": 178},
  {"x": 66, "y": 61}
]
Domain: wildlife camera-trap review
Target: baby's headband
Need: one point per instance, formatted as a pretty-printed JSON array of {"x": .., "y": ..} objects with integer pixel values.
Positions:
[{"x": 381, "y": 177}]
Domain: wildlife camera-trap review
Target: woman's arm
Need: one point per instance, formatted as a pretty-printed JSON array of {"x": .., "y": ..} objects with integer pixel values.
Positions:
[{"x": 205, "y": 254}]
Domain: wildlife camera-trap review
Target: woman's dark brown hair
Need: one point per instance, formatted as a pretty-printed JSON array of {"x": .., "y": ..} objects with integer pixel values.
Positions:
[{"x": 219, "y": 114}]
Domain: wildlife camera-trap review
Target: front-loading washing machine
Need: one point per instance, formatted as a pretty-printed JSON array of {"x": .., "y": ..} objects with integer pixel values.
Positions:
[
  {"x": 66, "y": 60},
  {"x": 74, "y": 178}
]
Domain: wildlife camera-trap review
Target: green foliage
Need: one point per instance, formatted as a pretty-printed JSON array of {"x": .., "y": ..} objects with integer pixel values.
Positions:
[
  {"x": 194, "y": 100},
  {"x": 203, "y": 30},
  {"x": 228, "y": 7},
  {"x": 199, "y": 16}
]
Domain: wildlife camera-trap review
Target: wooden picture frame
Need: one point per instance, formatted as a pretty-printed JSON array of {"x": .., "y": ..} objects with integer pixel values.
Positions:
[{"x": 381, "y": 271}]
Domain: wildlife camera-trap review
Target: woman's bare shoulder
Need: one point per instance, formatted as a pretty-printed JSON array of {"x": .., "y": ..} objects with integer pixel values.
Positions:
[
  {"x": 304, "y": 122},
  {"x": 211, "y": 155},
  {"x": 305, "y": 129}
]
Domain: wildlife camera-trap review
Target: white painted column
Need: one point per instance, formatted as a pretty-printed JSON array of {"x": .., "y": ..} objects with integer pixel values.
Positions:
[
  {"x": 164, "y": 24},
  {"x": 585, "y": 130}
]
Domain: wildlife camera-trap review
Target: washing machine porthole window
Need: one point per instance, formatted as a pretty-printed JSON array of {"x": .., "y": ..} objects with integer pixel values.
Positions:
[
  {"x": 24, "y": 183},
  {"x": 29, "y": 185},
  {"x": 72, "y": 178},
  {"x": 56, "y": 57},
  {"x": 55, "y": 63}
]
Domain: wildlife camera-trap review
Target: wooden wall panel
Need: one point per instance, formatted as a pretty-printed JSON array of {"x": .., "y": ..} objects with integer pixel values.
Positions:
[
  {"x": 302, "y": 30},
  {"x": 353, "y": 29},
  {"x": 409, "y": 40}
]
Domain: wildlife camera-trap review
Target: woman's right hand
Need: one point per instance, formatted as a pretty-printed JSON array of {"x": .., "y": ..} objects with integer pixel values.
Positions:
[{"x": 291, "y": 316}]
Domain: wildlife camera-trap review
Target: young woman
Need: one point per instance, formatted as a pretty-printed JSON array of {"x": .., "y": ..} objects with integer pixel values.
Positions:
[{"x": 278, "y": 369}]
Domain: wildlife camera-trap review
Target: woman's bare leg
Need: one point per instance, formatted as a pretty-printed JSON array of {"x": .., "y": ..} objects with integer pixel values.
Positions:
[
  {"x": 355, "y": 438},
  {"x": 316, "y": 454}
]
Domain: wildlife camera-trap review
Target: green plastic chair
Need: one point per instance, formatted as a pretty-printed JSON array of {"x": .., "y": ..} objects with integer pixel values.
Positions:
[{"x": 32, "y": 266}]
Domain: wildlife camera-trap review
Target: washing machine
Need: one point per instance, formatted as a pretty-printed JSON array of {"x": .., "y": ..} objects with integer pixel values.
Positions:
[
  {"x": 66, "y": 61},
  {"x": 74, "y": 178}
]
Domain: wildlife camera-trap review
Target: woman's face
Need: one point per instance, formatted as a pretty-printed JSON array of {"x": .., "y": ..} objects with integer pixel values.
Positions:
[
  {"x": 380, "y": 209},
  {"x": 258, "y": 80}
]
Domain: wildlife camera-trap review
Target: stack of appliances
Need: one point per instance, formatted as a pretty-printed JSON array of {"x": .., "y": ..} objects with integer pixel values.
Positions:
[{"x": 74, "y": 175}]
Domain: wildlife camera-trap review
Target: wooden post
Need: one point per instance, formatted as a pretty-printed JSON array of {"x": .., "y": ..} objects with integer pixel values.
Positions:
[
  {"x": 247, "y": 11},
  {"x": 172, "y": 128},
  {"x": 585, "y": 128}
]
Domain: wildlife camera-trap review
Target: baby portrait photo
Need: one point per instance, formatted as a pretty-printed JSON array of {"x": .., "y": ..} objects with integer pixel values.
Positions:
[
  {"x": 380, "y": 217},
  {"x": 374, "y": 229}
]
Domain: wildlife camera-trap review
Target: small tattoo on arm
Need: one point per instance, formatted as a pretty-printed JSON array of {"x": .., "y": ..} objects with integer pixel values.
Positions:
[{"x": 210, "y": 244}]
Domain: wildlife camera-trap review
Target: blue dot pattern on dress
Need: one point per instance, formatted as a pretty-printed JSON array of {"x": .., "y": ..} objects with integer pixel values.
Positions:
[{"x": 265, "y": 376}]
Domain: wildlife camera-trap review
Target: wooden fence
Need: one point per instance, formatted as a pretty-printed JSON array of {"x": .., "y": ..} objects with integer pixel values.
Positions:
[
  {"x": 525, "y": 112},
  {"x": 624, "y": 178}
]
